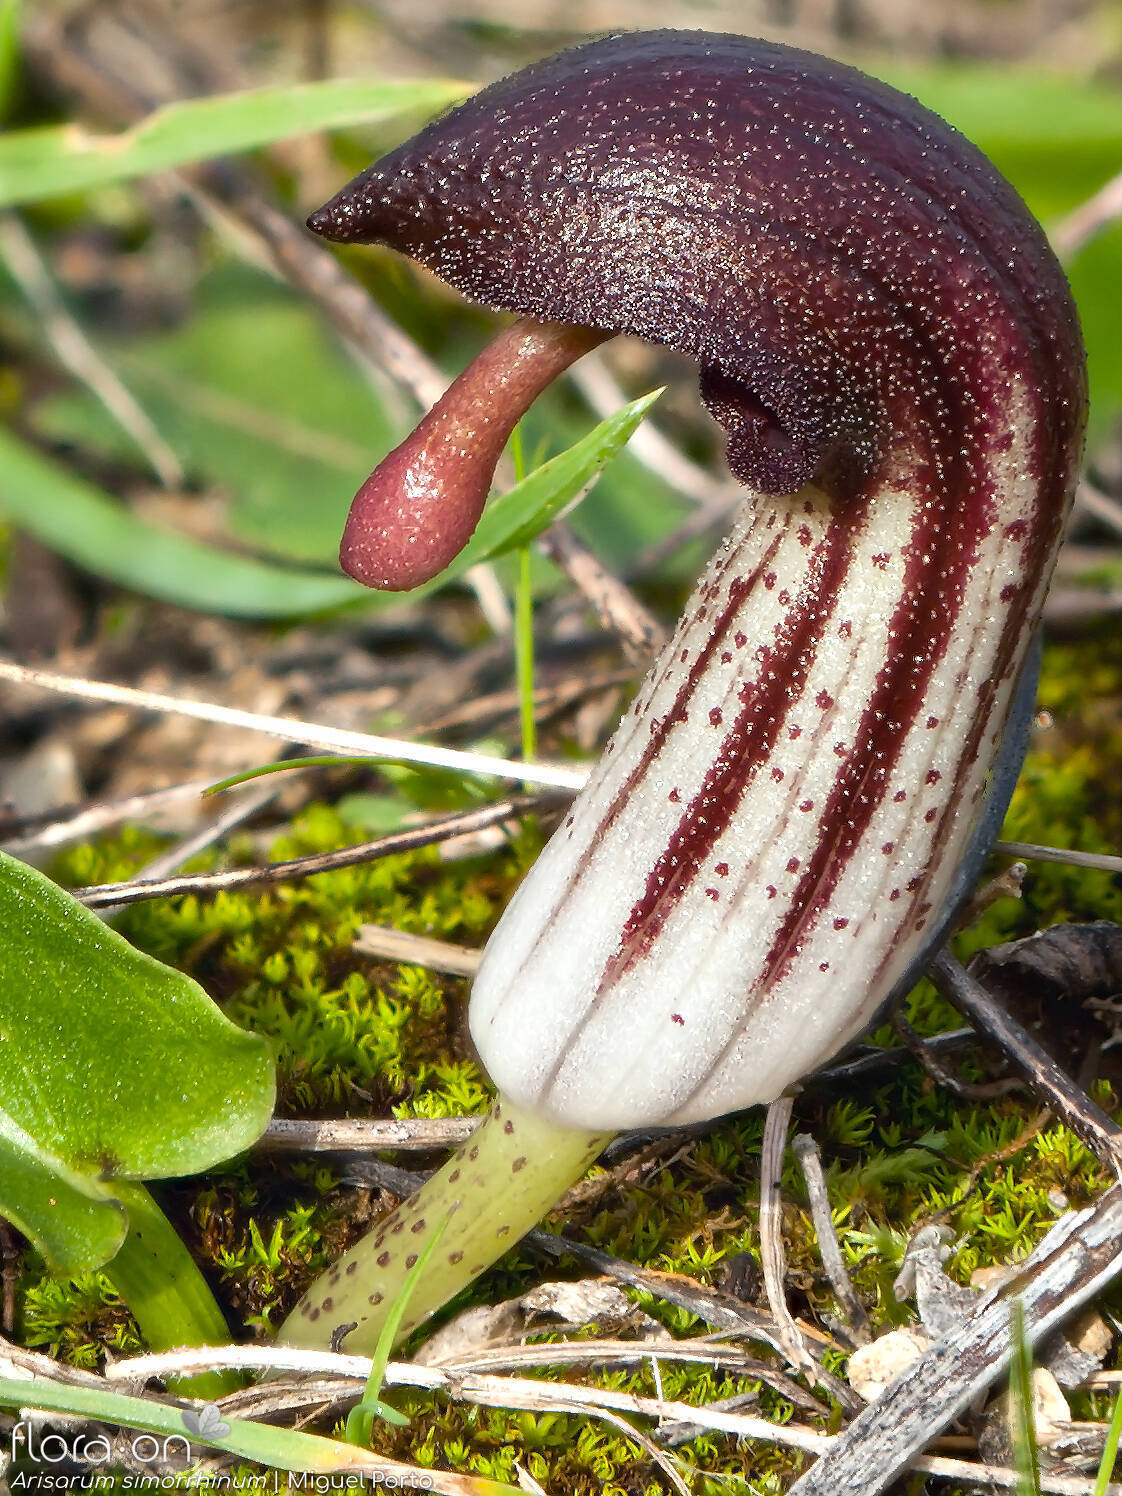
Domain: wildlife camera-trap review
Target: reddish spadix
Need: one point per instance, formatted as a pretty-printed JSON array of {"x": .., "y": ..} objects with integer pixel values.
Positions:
[
  {"x": 808, "y": 779},
  {"x": 420, "y": 505}
]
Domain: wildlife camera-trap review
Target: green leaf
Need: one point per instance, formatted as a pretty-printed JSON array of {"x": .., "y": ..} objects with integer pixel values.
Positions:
[
  {"x": 9, "y": 53},
  {"x": 91, "y": 529},
  {"x": 44, "y": 162},
  {"x": 370, "y": 1408},
  {"x": 530, "y": 507},
  {"x": 1095, "y": 275},
  {"x": 1110, "y": 1448},
  {"x": 74, "y": 1221},
  {"x": 112, "y": 1066}
]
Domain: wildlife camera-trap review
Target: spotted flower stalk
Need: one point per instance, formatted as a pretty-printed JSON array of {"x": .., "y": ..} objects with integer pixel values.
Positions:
[{"x": 804, "y": 788}]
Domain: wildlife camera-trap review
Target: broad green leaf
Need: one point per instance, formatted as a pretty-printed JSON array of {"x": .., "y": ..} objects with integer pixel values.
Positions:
[
  {"x": 44, "y": 162},
  {"x": 1096, "y": 274},
  {"x": 112, "y": 1066},
  {"x": 9, "y": 53},
  {"x": 92, "y": 529}
]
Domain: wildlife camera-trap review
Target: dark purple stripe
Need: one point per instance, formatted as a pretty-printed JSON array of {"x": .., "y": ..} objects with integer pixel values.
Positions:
[{"x": 766, "y": 704}]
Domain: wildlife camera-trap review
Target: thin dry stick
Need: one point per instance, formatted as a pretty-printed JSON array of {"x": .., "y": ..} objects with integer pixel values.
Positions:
[
  {"x": 1088, "y": 219},
  {"x": 620, "y": 1354},
  {"x": 487, "y": 1390},
  {"x": 1076, "y": 1260},
  {"x": 1093, "y": 501},
  {"x": 704, "y": 518},
  {"x": 77, "y": 354},
  {"x": 547, "y": 700},
  {"x": 942, "y": 1074},
  {"x": 659, "y": 1457},
  {"x": 333, "y": 739},
  {"x": 829, "y": 1249},
  {"x": 612, "y": 1354},
  {"x": 714, "y": 1307},
  {"x": 518, "y": 1393},
  {"x": 77, "y": 823},
  {"x": 417, "y": 950},
  {"x": 1105, "y": 861},
  {"x": 869, "y": 1061},
  {"x": 717, "y": 1309},
  {"x": 135, "y": 890},
  {"x": 347, "y": 1135},
  {"x": 1057, "y": 1090},
  {"x": 615, "y": 605},
  {"x": 772, "y": 1256}
]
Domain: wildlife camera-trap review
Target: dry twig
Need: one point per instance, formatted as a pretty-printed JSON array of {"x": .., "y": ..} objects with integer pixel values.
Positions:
[
  {"x": 58, "y": 827},
  {"x": 417, "y": 950},
  {"x": 331, "y": 739},
  {"x": 333, "y": 1371},
  {"x": 805, "y": 1150},
  {"x": 1104, "y": 861},
  {"x": 943, "y": 1075},
  {"x": 363, "y": 1135},
  {"x": 77, "y": 354},
  {"x": 772, "y": 1256},
  {"x": 234, "y": 815},
  {"x": 1093, "y": 501},
  {"x": 1088, "y": 219},
  {"x": 100, "y": 895}
]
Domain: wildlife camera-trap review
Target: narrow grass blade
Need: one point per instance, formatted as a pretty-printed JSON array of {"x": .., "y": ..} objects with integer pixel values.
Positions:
[
  {"x": 1026, "y": 1460},
  {"x": 88, "y": 527},
  {"x": 42, "y": 163},
  {"x": 1110, "y": 1449}
]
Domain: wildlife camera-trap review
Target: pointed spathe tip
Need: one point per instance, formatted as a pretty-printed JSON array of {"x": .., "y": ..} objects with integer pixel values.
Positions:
[{"x": 320, "y": 222}]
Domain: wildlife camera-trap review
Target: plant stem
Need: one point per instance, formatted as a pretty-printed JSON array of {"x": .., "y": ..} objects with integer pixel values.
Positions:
[
  {"x": 1110, "y": 1448},
  {"x": 160, "y": 1282},
  {"x": 1025, "y": 1456},
  {"x": 514, "y": 1169},
  {"x": 524, "y": 622},
  {"x": 524, "y": 655}
]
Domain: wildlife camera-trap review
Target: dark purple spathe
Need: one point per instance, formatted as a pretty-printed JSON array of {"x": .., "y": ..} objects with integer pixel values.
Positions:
[{"x": 832, "y": 253}]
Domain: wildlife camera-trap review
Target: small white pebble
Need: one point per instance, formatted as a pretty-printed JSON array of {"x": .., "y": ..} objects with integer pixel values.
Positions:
[{"x": 872, "y": 1367}]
